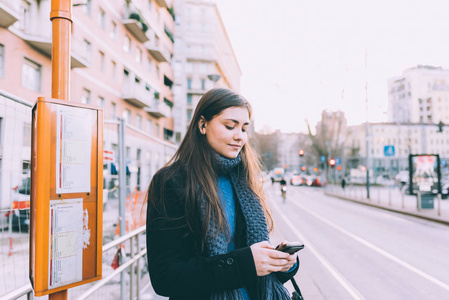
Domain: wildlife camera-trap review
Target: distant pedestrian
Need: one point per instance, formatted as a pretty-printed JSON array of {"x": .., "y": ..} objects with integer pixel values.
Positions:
[
  {"x": 207, "y": 220},
  {"x": 343, "y": 183}
]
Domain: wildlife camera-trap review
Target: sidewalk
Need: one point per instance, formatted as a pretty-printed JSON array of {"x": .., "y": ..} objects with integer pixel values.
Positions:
[{"x": 392, "y": 199}]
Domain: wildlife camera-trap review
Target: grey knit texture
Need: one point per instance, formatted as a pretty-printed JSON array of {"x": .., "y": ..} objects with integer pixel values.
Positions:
[{"x": 256, "y": 231}]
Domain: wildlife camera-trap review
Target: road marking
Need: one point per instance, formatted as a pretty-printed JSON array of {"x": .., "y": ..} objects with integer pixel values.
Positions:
[
  {"x": 337, "y": 275},
  {"x": 375, "y": 248}
]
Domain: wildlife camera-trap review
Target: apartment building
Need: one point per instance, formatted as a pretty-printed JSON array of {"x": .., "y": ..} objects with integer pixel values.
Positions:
[
  {"x": 203, "y": 58},
  {"x": 121, "y": 52},
  {"x": 412, "y": 138},
  {"x": 419, "y": 95}
]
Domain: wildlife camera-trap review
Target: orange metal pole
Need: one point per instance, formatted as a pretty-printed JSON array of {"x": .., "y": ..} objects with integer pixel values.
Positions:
[{"x": 61, "y": 17}]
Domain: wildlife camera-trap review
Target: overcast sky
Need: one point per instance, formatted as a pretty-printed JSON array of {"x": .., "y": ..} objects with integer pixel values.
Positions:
[{"x": 299, "y": 57}]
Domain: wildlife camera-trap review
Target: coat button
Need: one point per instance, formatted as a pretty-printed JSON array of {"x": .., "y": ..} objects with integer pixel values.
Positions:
[
  {"x": 221, "y": 263},
  {"x": 230, "y": 261}
]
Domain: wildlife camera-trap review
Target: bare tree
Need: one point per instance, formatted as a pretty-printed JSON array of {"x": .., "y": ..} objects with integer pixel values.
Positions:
[{"x": 329, "y": 137}]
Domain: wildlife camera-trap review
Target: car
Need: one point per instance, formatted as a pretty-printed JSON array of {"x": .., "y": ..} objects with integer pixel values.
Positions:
[
  {"x": 277, "y": 174},
  {"x": 296, "y": 180},
  {"x": 316, "y": 182},
  {"x": 20, "y": 213}
]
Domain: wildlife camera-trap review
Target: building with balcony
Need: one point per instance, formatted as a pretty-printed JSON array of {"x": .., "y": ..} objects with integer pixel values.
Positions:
[
  {"x": 419, "y": 95},
  {"x": 120, "y": 58},
  {"x": 202, "y": 48}
]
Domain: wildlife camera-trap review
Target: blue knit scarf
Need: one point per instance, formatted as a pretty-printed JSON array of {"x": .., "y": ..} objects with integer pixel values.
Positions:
[{"x": 269, "y": 286}]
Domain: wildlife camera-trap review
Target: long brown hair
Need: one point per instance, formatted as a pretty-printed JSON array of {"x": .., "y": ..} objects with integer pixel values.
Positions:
[{"x": 195, "y": 158}]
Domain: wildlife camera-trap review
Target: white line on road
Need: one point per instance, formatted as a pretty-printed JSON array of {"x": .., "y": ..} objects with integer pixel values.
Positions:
[
  {"x": 337, "y": 275},
  {"x": 375, "y": 248}
]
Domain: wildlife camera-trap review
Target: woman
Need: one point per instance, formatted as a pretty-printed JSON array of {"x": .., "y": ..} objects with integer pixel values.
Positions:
[{"x": 207, "y": 222}]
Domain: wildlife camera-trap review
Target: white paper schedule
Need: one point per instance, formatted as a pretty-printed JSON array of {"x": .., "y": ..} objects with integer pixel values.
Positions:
[
  {"x": 66, "y": 242},
  {"x": 73, "y": 150}
]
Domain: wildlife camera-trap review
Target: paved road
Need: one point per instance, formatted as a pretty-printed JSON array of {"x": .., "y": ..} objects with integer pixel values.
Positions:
[
  {"x": 359, "y": 252},
  {"x": 355, "y": 251}
]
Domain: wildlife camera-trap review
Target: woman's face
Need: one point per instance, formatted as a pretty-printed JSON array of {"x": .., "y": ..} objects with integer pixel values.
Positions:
[{"x": 226, "y": 132}]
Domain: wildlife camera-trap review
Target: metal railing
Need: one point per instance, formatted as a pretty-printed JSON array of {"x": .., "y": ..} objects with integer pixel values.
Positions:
[{"x": 136, "y": 253}]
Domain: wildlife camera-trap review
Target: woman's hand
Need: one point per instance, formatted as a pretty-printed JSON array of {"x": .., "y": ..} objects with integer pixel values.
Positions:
[{"x": 268, "y": 260}]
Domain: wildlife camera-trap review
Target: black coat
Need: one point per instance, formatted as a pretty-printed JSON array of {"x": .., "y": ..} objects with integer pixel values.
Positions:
[{"x": 179, "y": 270}]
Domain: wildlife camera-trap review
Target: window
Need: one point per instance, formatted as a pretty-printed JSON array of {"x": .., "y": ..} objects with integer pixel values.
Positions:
[
  {"x": 157, "y": 129},
  {"x": 101, "y": 61},
  {"x": 138, "y": 154},
  {"x": 139, "y": 122},
  {"x": 88, "y": 50},
  {"x": 113, "y": 33},
  {"x": 27, "y": 134},
  {"x": 25, "y": 15},
  {"x": 102, "y": 19},
  {"x": 86, "y": 96},
  {"x": 1, "y": 131},
  {"x": 189, "y": 115},
  {"x": 88, "y": 7},
  {"x": 127, "y": 116},
  {"x": 31, "y": 75},
  {"x": 189, "y": 83},
  {"x": 202, "y": 68},
  {"x": 2, "y": 60},
  {"x": 101, "y": 103},
  {"x": 203, "y": 84},
  {"x": 189, "y": 99},
  {"x": 189, "y": 67},
  {"x": 127, "y": 44},
  {"x": 149, "y": 127},
  {"x": 114, "y": 70},
  {"x": 139, "y": 55},
  {"x": 114, "y": 111},
  {"x": 150, "y": 65}
]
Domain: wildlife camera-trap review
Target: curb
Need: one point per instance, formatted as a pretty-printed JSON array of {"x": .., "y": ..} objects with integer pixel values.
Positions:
[{"x": 444, "y": 222}]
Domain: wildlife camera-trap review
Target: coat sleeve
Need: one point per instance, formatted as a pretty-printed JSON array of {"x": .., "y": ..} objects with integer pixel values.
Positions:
[
  {"x": 175, "y": 267},
  {"x": 283, "y": 277}
]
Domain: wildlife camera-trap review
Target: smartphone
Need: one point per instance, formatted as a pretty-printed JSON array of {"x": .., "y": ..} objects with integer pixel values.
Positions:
[{"x": 290, "y": 247}]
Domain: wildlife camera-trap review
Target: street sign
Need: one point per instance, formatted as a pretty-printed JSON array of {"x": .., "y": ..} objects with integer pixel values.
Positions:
[
  {"x": 337, "y": 160},
  {"x": 389, "y": 150},
  {"x": 323, "y": 158}
]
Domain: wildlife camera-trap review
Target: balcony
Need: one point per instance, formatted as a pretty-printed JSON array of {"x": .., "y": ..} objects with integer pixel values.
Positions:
[
  {"x": 8, "y": 15},
  {"x": 159, "y": 109},
  {"x": 162, "y": 3},
  {"x": 137, "y": 28},
  {"x": 80, "y": 57},
  {"x": 137, "y": 95},
  {"x": 157, "y": 51}
]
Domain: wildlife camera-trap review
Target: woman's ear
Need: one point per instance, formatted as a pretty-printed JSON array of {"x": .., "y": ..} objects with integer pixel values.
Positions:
[{"x": 202, "y": 125}]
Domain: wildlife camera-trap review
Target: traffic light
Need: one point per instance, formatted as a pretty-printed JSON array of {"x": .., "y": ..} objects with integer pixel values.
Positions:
[
  {"x": 332, "y": 162},
  {"x": 301, "y": 152}
]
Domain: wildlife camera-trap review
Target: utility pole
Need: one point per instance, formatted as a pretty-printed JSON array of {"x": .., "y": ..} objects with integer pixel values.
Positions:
[
  {"x": 368, "y": 150},
  {"x": 61, "y": 18}
]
